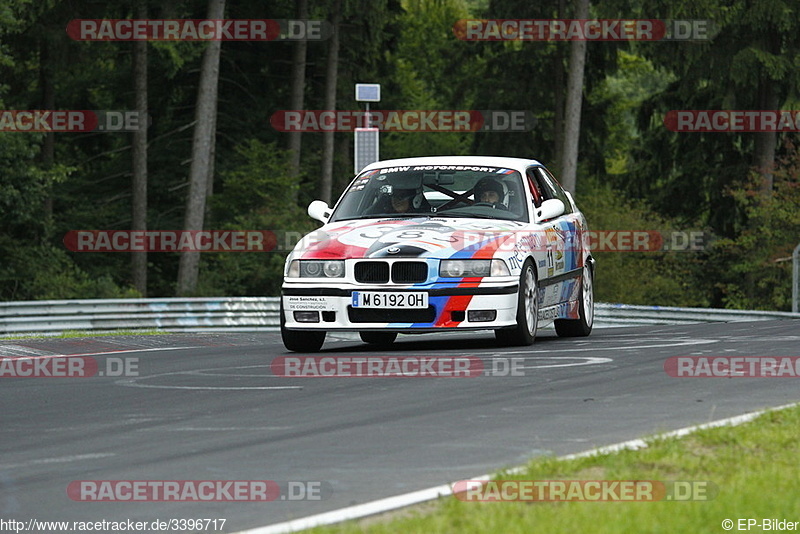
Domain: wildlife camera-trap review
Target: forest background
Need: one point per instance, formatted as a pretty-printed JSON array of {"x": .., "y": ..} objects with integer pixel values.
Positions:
[{"x": 742, "y": 190}]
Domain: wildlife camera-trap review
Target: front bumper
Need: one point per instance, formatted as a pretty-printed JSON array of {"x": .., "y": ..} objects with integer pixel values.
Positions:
[{"x": 449, "y": 306}]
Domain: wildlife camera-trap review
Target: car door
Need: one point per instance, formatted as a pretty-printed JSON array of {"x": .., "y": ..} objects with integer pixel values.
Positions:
[
  {"x": 568, "y": 256},
  {"x": 554, "y": 285}
]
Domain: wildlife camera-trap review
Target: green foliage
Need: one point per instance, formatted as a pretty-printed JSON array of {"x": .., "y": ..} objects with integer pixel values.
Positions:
[
  {"x": 754, "y": 269},
  {"x": 621, "y": 94},
  {"x": 442, "y": 81},
  {"x": 747, "y": 471},
  {"x": 257, "y": 194},
  {"x": 49, "y": 274},
  {"x": 258, "y": 182},
  {"x": 685, "y": 175},
  {"x": 635, "y": 174},
  {"x": 668, "y": 278}
]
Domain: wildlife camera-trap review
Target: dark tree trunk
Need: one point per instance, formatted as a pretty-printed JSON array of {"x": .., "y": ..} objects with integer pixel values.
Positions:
[
  {"x": 572, "y": 122},
  {"x": 139, "y": 155},
  {"x": 558, "y": 82},
  {"x": 48, "y": 102},
  {"x": 331, "y": 77},
  {"x": 202, "y": 154},
  {"x": 298, "y": 91},
  {"x": 765, "y": 142}
]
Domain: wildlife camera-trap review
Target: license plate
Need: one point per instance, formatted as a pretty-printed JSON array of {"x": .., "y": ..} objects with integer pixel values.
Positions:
[{"x": 369, "y": 299}]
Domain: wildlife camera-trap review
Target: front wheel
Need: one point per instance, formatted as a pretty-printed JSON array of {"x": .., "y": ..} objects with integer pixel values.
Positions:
[
  {"x": 378, "y": 338},
  {"x": 524, "y": 332},
  {"x": 301, "y": 340},
  {"x": 582, "y": 326}
]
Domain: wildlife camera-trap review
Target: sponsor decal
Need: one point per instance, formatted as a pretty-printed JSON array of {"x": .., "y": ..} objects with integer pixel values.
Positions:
[{"x": 292, "y": 303}]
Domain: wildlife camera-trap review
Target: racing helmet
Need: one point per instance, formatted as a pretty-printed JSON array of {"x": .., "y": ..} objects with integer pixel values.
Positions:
[{"x": 489, "y": 184}]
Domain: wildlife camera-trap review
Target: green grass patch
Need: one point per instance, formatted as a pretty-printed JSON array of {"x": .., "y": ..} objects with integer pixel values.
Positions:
[
  {"x": 86, "y": 333},
  {"x": 753, "y": 466}
]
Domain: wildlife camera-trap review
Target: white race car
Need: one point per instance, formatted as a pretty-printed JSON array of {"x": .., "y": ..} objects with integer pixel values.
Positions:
[{"x": 441, "y": 243}]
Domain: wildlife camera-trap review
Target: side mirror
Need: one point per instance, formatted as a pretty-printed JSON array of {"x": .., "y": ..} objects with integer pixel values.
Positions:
[
  {"x": 549, "y": 209},
  {"x": 319, "y": 211}
]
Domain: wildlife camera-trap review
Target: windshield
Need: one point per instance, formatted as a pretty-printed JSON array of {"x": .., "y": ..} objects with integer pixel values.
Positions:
[{"x": 435, "y": 190}]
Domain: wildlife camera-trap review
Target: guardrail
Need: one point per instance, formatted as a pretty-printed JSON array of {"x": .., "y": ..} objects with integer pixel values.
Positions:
[
  {"x": 171, "y": 314},
  {"x": 261, "y": 313},
  {"x": 632, "y": 315}
]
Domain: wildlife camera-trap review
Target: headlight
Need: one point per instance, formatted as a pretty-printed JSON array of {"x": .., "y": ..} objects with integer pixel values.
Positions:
[
  {"x": 294, "y": 270},
  {"x": 499, "y": 268},
  {"x": 333, "y": 269},
  {"x": 316, "y": 269},
  {"x": 472, "y": 268}
]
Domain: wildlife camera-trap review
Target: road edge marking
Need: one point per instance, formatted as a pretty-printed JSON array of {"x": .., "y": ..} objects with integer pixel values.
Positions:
[{"x": 389, "y": 504}]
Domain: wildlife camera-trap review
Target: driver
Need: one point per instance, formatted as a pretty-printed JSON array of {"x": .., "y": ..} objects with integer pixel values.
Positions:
[
  {"x": 489, "y": 191},
  {"x": 402, "y": 200}
]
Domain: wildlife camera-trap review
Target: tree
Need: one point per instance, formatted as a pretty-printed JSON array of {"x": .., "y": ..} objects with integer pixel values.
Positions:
[
  {"x": 331, "y": 76},
  {"x": 574, "y": 101},
  {"x": 202, "y": 153},
  {"x": 139, "y": 155},
  {"x": 558, "y": 107},
  {"x": 298, "y": 90},
  {"x": 748, "y": 62}
]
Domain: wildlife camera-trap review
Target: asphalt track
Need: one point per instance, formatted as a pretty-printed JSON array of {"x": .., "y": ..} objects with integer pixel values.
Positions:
[{"x": 208, "y": 407}]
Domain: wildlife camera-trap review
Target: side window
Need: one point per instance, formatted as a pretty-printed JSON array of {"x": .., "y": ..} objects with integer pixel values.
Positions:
[
  {"x": 553, "y": 188},
  {"x": 535, "y": 187}
]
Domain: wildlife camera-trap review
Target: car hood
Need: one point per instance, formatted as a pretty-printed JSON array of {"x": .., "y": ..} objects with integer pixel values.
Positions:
[{"x": 409, "y": 237}]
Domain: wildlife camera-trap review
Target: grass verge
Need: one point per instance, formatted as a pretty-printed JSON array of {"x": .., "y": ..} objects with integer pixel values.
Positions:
[
  {"x": 86, "y": 333},
  {"x": 753, "y": 468}
]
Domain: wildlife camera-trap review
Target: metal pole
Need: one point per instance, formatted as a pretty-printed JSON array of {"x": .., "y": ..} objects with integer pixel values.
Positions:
[{"x": 796, "y": 279}]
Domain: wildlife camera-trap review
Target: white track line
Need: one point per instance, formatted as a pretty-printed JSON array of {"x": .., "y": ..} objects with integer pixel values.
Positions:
[
  {"x": 401, "y": 501},
  {"x": 51, "y": 355}
]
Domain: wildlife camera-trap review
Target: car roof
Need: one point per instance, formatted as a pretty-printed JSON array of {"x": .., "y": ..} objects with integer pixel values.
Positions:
[{"x": 492, "y": 161}]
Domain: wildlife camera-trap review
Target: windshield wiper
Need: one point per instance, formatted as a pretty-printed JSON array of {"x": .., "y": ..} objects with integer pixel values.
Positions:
[
  {"x": 467, "y": 216},
  {"x": 387, "y": 216}
]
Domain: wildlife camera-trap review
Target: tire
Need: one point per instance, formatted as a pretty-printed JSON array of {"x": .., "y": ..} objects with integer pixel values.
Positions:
[
  {"x": 301, "y": 340},
  {"x": 581, "y": 327},
  {"x": 383, "y": 339},
  {"x": 524, "y": 333}
]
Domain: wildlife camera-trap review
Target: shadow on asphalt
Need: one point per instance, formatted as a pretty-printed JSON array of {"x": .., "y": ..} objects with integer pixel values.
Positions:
[{"x": 444, "y": 343}]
